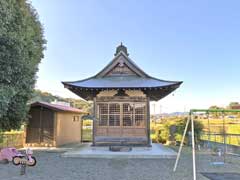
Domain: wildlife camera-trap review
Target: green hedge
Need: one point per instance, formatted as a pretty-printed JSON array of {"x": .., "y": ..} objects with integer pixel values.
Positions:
[{"x": 12, "y": 139}]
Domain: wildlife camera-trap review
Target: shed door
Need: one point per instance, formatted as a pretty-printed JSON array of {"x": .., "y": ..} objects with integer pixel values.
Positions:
[
  {"x": 33, "y": 133},
  {"x": 46, "y": 121},
  {"x": 40, "y": 126}
]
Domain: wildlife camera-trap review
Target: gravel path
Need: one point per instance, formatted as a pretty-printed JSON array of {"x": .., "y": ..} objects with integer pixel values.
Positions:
[{"x": 53, "y": 167}]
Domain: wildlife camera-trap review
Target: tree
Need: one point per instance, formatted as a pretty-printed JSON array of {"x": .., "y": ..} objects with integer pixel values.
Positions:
[
  {"x": 21, "y": 50},
  {"x": 215, "y": 107},
  {"x": 234, "y": 104},
  {"x": 39, "y": 95},
  {"x": 181, "y": 123}
]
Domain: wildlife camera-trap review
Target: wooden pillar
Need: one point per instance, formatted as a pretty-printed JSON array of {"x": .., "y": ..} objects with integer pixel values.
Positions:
[
  {"x": 40, "y": 126},
  {"x": 148, "y": 122},
  {"x": 94, "y": 121},
  {"x": 55, "y": 129},
  {"x": 24, "y": 135},
  {"x": 81, "y": 129}
]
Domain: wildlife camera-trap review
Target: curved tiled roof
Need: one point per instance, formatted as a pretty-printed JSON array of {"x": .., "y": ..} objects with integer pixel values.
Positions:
[
  {"x": 122, "y": 82},
  {"x": 138, "y": 79}
]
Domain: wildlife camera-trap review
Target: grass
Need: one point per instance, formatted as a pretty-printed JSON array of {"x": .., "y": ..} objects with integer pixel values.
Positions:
[
  {"x": 231, "y": 128},
  {"x": 231, "y": 140}
]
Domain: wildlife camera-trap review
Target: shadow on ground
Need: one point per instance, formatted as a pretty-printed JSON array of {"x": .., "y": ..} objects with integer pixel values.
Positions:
[{"x": 222, "y": 176}]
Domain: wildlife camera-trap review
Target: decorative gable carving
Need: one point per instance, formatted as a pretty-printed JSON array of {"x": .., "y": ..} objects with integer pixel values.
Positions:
[
  {"x": 107, "y": 93},
  {"x": 111, "y": 93},
  {"x": 121, "y": 65},
  {"x": 135, "y": 93},
  {"x": 120, "y": 69}
]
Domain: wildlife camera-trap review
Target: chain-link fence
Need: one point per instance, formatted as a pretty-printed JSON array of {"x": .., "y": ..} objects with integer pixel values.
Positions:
[{"x": 230, "y": 141}]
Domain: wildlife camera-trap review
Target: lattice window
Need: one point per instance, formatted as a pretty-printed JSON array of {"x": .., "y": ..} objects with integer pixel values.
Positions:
[
  {"x": 127, "y": 114},
  {"x": 140, "y": 114},
  {"x": 103, "y": 121},
  {"x": 114, "y": 114},
  {"x": 132, "y": 114},
  {"x": 103, "y": 114},
  {"x": 114, "y": 108}
]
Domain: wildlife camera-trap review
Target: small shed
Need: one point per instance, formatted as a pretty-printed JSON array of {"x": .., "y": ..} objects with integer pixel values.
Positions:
[{"x": 53, "y": 125}]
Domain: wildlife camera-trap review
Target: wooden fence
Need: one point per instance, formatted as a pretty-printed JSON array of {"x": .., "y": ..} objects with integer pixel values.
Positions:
[{"x": 12, "y": 139}]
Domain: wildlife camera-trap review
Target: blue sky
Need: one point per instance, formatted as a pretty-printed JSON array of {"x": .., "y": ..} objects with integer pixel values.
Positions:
[{"x": 197, "y": 42}]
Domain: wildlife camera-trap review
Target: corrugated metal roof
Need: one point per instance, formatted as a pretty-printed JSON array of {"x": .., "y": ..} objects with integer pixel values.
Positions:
[
  {"x": 57, "y": 107},
  {"x": 122, "y": 82}
]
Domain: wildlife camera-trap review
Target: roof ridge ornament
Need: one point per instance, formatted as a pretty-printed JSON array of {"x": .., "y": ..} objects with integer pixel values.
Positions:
[{"x": 121, "y": 48}]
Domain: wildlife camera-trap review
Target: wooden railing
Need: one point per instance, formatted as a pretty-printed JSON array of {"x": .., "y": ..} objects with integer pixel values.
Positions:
[{"x": 12, "y": 139}]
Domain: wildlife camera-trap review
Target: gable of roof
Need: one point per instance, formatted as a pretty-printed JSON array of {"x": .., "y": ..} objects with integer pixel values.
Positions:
[
  {"x": 121, "y": 58},
  {"x": 57, "y": 107}
]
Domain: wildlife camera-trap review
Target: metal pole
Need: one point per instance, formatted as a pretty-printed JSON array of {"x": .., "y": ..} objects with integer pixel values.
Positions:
[
  {"x": 193, "y": 149},
  {"x": 224, "y": 137},
  {"x": 181, "y": 145},
  {"x": 23, "y": 168},
  {"x": 208, "y": 130}
]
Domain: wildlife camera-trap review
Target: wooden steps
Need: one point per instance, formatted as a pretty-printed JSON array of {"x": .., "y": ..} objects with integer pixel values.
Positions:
[
  {"x": 123, "y": 141},
  {"x": 120, "y": 148}
]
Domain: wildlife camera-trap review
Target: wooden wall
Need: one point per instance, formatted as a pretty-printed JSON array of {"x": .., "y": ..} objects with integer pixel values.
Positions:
[
  {"x": 49, "y": 128},
  {"x": 121, "y": 133},
  {"x": 68, "y": 128},
  {"x": 40, "y": 126}
]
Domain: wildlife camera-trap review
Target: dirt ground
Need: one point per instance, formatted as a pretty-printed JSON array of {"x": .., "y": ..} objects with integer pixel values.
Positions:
[{"x": 51, "y": 166}]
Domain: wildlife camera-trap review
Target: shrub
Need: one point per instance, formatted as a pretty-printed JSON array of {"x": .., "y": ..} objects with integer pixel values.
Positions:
[
  {"x": 181, "y": 123},
  {"x": 161, "y": 133}
]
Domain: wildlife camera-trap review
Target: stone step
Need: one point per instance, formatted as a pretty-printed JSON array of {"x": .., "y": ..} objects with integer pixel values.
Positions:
[{"x": 120, "y": 148}]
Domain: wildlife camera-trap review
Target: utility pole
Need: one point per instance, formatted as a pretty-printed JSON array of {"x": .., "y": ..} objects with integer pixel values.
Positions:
[
  {"x": 154, "y": 108},
  {"x": 160, "y": 111},
  {"x": 154, "y": 112}
]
